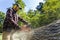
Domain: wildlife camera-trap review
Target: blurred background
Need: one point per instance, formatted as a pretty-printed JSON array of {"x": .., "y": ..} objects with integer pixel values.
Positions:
[{"x": 36, "y": 12}]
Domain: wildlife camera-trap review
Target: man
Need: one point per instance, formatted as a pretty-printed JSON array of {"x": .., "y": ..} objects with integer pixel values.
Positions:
[
  {"x": 10, "y": 24},
  {"x": 12, "y": 19}
]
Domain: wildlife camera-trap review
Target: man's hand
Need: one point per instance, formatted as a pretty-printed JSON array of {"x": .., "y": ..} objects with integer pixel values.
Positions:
[
  {"x": 28, "y": 24},
  {"x": 22, "y": 20}
]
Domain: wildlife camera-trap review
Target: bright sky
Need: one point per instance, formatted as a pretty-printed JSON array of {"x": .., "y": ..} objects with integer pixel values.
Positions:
[{"x": 30, "y": 4}]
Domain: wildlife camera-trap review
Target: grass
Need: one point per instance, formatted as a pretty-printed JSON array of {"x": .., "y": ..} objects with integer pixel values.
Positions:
[{"x": 0, "y": 36}]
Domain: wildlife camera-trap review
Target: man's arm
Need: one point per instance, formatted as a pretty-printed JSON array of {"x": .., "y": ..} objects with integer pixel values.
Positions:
[
  {"x": 25, "y": 22},
  {"x": 9, "y": 17}
]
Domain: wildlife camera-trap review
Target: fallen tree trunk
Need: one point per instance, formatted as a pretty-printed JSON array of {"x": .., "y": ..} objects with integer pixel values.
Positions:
[{"x": 49, "y": 32}]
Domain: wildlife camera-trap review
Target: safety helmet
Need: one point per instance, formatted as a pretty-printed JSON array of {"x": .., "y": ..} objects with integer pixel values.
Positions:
[{"x": 17, "y": 5}]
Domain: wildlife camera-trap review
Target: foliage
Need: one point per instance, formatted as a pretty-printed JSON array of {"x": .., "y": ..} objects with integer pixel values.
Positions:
[
  {"x": 48, "y": 13},
  {"x": 0, "y": 36},
  {"x": 52, "y": 9},
  {"x": 2, "y": 16},
  {"x": 21, "y": 3}
]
